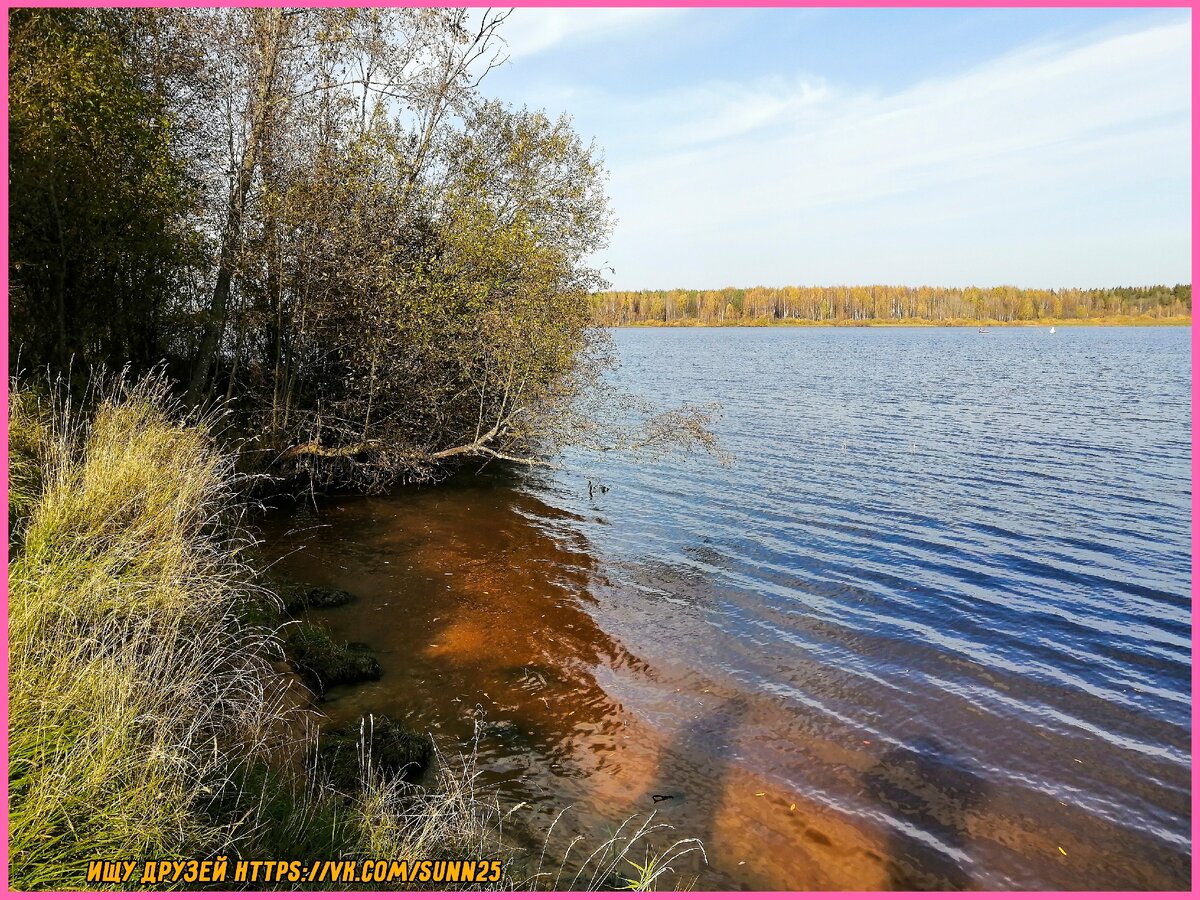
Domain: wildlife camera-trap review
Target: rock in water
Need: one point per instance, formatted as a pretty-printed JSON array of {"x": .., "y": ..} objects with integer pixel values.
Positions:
[
  {"x": 323, "y": 598},
  {"x": 298, "y": 598},
  {"x": 323, "y": 662},
  {"x": 393, "y": 751}
]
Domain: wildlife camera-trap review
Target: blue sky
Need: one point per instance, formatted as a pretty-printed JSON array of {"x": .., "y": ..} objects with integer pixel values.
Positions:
[{"x": 1042, "y": 148}]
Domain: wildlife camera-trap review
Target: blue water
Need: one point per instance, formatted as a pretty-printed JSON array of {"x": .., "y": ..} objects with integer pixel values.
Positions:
[{"x": 979, "y": 543}]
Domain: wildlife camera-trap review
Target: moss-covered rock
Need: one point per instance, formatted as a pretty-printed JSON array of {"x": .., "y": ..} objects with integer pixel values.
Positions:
[
  {"x": 298, "y": 598},
  {"x": 322, "y": 598},
  {"x": 323, "y": 662},
  {"x": 392, "y": 751}
]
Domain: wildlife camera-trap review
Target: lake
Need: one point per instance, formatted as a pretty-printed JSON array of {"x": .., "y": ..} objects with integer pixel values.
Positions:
[{"x": 930, "y": 629}]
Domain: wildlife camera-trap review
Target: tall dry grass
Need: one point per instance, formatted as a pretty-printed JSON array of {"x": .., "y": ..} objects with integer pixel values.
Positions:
[{"x": 134, "y": 686}]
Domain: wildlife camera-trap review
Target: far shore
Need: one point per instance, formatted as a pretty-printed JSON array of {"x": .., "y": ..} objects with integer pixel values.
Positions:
[{"x": 1099, "y": 322}]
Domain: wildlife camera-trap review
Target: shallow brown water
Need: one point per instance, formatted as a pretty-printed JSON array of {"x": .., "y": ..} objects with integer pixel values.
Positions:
[{"x": 940, "y": 604}]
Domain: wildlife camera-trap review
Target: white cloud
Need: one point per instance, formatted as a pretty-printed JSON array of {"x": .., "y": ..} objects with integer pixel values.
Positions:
[
  {"x": 532, "y": 31},
  {"x": 709, "y": 114},
  {"x": 997, "y": 174}
]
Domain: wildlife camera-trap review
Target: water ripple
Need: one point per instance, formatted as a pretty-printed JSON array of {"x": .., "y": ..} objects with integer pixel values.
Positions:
[{"x": 925, "y": 536}]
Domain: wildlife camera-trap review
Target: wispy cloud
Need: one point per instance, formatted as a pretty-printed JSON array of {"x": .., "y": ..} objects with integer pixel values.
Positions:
[
  {"x": 709, "y": 114},
  {"x": 532, "y": 31},
  {"x": 800, "y": 180}
]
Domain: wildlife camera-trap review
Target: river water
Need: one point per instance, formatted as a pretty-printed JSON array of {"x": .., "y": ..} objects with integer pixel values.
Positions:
[{"x": 930, "y": 629}]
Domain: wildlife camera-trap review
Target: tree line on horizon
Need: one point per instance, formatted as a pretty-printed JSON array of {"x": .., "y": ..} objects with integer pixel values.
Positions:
[{"x": 885, "y": 303}]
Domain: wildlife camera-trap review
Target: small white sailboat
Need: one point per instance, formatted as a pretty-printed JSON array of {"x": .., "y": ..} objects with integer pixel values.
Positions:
[{"x": 1052, "y": 329}]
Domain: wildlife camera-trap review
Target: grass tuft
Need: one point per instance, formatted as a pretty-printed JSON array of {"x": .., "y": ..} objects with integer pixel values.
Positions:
[{"x": 132, "y": 681}]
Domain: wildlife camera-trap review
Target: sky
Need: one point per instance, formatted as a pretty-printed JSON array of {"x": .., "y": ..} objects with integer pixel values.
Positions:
[{"x": 1034, "y": 147}]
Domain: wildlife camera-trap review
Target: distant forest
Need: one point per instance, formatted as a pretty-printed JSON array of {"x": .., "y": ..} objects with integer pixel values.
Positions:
[{"x": 887, "y": 303}]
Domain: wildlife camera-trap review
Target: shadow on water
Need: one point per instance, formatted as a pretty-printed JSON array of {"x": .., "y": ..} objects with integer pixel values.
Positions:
[
  {"x": 692, "y": 772},
  {"x": 929, "y": 796}
]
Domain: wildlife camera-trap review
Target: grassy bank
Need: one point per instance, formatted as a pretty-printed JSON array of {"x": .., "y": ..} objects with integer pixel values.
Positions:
[
  {"x": 1098, "y": 321},
  {"x": 130, "y": 680},
  {"x": 146, "y": 717},
  {"x": 151, "y": 716}
]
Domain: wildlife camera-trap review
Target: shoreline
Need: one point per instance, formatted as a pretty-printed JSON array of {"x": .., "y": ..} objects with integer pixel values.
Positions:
[
  {"x": 1108, "y": 322},
  {"x": 161, "y": 684}
]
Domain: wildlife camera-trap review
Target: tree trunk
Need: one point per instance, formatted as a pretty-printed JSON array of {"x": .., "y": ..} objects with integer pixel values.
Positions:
[
  {"x": 60, "y": 287},
  {"x": 231, "y": 235}
]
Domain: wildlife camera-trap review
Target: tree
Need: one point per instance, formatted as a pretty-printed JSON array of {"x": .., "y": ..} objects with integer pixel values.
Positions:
[
  {"x": 479, "y": 334},
  {"x": 99, "y": 203}
]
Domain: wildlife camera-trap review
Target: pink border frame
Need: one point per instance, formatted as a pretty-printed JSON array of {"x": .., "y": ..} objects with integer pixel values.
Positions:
[{"x": 1166, "y": 4}]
